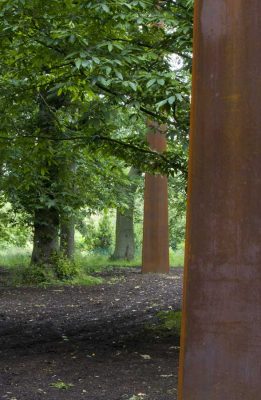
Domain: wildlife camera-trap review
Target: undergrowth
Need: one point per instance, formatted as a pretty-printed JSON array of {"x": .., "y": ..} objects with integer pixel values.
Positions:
[
  {"x": 61, "y": 385},
  {"x": 65, "y": 272},
  {"x": 37, "y": 275},
  {"x": 169, "y": 323},
  {"x": 12, "y": 257}
]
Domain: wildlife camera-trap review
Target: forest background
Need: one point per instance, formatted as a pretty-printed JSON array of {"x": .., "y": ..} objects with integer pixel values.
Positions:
[{"x": 79, "y": 82}]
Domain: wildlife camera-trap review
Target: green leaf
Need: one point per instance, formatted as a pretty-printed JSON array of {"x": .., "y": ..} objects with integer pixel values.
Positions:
[
  {"x": 85, "y": 63},
  {"x": 103, "y": 80},
  {"x": 133, "y": 86},
  {"x": 108, "y": 70},
  {"x": 51, "y": 203},
  {"x": 161, "y": 103},
  {"x": 150, "y": 83},
  {"x": 161, "y": 81},
  {"x": 119, "y": 75},
  {"x": 171, "y": 99},
  {"x": 105, "y": 8},
  {"x": 72, "y": 38},
  {"x": 78, "y": 63},
  {"x": 96, "y": 60}
]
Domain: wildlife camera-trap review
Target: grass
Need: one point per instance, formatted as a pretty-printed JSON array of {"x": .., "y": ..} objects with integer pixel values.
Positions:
[
  {"x": 177, "y": 257},
  {"x": 18, "y": 257},
  {"x": 13, "y": 257},
  {"x": 61, "y": 385},
  {"x": 169, "y": 323},
  {"x": 17, "y": 260},
  {"x": 84, "y": 279},
  {"x": 96, "y": 262}
]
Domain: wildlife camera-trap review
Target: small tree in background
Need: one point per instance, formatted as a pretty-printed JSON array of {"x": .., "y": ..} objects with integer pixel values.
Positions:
[{"x": 104, "y": 235}]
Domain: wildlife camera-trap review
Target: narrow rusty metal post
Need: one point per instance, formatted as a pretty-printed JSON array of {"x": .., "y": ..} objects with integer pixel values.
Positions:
[
  {"x": 155, "y": 250},
  {"x": 221, "y": 328}
]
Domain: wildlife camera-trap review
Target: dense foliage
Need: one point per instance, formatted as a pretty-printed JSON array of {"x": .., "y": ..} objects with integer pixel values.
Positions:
[{"x": 78, "y": 80}]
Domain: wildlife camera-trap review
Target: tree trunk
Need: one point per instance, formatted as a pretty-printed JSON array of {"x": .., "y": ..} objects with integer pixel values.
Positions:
[
  {"x": 46, "y": 224},
  {"x": 45, "y": 242},
  {"x": 124, "y": 246},
  {"x": 125, "y": 243},
  {"x": 67, "y": 238}
]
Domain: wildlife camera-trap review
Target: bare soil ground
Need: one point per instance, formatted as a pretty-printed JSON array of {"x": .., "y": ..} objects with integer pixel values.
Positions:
[{"x": 66, "y": 343}]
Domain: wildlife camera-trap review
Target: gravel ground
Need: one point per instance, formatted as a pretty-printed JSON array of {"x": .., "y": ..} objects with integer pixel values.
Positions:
[{"x": 64, "y": 343}]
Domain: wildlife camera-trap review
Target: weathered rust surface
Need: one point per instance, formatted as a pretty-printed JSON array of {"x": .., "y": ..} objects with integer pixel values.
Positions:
[
  {"x": 221, "y": 332},
  {"x": 155, "y": 250}
]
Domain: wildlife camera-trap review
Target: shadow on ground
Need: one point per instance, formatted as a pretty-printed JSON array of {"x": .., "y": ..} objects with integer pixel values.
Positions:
[{"x": 64, "y": 343}]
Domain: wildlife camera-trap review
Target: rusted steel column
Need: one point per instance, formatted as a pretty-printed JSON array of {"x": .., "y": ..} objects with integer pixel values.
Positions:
[
  {"x": 155, "y": 250},
  {"x": 221, "y": 329}
]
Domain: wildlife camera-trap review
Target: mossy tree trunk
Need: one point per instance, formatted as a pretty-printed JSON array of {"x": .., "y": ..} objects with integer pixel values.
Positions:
[
  {"x": 67, "y": 221},
  {"x": 125, "y": 241},
  {"x": 46, "y": 230},
  {"x": 67, "y": 230},
  {"x": 125, "y": 244},
  {"x": 46, "y": 215}
]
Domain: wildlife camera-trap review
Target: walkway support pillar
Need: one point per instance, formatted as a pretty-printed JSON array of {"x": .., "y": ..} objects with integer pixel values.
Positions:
[
  {"x": 221, "y": 328},
  {"x": 155, "y": 249}
]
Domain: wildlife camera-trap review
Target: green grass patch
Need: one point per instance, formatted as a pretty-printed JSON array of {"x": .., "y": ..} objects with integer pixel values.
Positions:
[
  {"x": 61, "y": 385},
  {"x": 17, "y": 262},
  {"x": 12, "y": 257},
  {"x": 35, "y": 275},
  {"x": 169, "y": 323},
  {"x": 84, "y": 280},
  {"x": 97, "y": 263},
  {"x": 79, "y": 272},
  {"x": 176, "y": 258}
]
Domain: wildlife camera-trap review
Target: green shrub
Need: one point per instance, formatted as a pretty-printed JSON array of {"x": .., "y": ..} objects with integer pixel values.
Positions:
[
  {"x": 88, "y": 233},
  {"x": 170, "y": 321},
  {"x": 62, "y": 269},
  {"x": 61, "y": 385},
  {"x": 34, "y": 275},
  {"x": 96, "y": 239},
  {"x": 65, "y": 268},
  {"x": 104, "y": 236}
]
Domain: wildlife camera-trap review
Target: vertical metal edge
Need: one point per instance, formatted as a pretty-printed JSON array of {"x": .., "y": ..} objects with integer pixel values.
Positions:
[{"x": 196, "y": 27}]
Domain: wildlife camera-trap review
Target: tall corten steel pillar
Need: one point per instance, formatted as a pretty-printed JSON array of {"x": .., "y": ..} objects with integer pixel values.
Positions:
[
  {"x": 221, "y": 332},
  {"x": 155, "y": 249}
]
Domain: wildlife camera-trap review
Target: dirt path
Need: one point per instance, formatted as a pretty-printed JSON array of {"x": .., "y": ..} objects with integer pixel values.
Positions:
[{"x": 68, "y": 343}]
